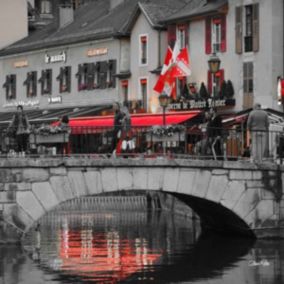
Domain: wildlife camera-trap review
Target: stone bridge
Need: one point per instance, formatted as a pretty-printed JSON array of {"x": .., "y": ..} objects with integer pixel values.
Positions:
[{"x": 228, "y": 196}]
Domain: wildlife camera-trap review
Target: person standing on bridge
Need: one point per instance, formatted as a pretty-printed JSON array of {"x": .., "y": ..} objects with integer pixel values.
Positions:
[
  {"x": 258, "y": 123},
  {"x": 21, "y": 128}
]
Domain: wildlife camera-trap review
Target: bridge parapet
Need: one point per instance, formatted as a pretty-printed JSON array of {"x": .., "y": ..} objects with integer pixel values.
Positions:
[{"x": 227, "y": 195}]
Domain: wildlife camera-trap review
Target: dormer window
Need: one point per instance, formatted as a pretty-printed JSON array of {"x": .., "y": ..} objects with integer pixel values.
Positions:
[{"x": 45, "y": 7}]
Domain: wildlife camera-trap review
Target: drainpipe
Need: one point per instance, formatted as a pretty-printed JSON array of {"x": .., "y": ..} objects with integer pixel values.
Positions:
[{"x": 159, "y": 47}]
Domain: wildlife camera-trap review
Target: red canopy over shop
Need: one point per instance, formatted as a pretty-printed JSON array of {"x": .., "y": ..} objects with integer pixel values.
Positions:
[{"x": 95, "y": 123}]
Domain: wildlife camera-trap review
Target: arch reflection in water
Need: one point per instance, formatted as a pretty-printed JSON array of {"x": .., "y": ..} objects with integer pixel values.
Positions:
[{"x": 108, "y": 247}]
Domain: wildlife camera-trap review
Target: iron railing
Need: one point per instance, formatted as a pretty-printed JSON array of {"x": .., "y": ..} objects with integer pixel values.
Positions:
[{"x": 187, "y": 142}]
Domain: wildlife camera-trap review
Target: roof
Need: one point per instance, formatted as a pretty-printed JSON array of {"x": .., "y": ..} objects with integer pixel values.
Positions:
[
  {"x": 91, "y": 21},
  {"x": 197, "y": 8},
  {"x": 95, "y": 20}
]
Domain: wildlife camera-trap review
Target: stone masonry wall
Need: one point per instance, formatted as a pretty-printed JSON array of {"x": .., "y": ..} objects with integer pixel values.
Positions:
[{"x": 30, "y": 188}]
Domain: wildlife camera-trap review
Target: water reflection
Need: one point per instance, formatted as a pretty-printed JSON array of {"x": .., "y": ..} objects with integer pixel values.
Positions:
[{"x": 135, "y": 247}]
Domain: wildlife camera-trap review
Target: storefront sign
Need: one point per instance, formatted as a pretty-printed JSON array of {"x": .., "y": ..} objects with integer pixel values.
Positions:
[
  {"x": 21, "y": 63},
  {"x": 30, "y": 103},
  {"x": 55, "y": 58},
  {"x": 55, "y": 100},
  {"x": 192, "y": 104},
  {"x": 97, "y": 51}
]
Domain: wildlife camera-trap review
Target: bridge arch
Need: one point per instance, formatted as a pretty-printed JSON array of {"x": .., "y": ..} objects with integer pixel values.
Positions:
[{"x": 228, "y": 196}]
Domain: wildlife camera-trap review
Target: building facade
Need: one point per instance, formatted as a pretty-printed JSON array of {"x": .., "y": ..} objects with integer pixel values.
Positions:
[
  {"x": 98, "y": 52},
  {"x": 246, "y": 35}
]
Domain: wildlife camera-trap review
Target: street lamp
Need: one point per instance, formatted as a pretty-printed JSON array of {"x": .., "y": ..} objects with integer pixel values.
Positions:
[
  {"x": 164, "y": 101},
  {"x": 214, "y": 63}
]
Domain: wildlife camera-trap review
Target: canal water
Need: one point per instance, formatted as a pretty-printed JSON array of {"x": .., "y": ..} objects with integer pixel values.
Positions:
[{"x": 136, "y": 247}]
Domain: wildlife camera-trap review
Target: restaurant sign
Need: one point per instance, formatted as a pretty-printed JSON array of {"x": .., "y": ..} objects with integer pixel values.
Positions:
[
  {"x": 96, "y": 51},
  {"x": 201, "y": 104},
  {"x": 61, "y": 57},
  {"x": 21, "y": 63}
]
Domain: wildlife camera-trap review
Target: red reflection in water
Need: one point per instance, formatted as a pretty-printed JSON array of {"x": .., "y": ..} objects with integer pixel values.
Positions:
[{"x": 103, "y": 257}]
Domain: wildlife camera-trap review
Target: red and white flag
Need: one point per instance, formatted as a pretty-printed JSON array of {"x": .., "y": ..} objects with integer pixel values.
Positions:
[
  {"x": 181, "y": 68},
  {"x": 167, "y": 63},
  {"x": 176, "y": 64}
]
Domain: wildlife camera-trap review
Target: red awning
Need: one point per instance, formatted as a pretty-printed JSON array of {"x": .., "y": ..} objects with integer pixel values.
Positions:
[{"x": 87, "y": 124}]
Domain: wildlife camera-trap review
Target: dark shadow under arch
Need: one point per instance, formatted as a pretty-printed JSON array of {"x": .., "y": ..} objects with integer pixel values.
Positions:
[{"x": 215, "y": 217}]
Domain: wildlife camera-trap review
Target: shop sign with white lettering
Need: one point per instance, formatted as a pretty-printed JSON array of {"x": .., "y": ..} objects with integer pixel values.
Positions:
[
  {"x": 55, "y": 100},
  {"x": 61, "y": 57}
]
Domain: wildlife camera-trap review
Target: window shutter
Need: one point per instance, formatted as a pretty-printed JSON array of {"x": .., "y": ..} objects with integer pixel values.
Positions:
[
  {"x": 13, "y": 85},
  {"x": 209, "y": 82},
  {"x": 171, "y": 35},
  {"x": 239, "y": 30},
  {"x": 255, "y": 11},
  {"x": 187, "y": 35},
  {"x": 41, "y": 80},
  {"x": 68, "y": 78},
  {"x": 208, "y": 31},
  {"x": 112, "y": 73},
  {"x": 49, "y": 80},
  {"x": 34, "y": 82},
  {"x": 223, "y": 33}
]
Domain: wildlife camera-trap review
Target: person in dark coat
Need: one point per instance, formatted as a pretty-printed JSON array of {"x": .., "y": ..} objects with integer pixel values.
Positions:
[
  {"x": 21, "y": 127},
  {"x": 214, "y": 134}
]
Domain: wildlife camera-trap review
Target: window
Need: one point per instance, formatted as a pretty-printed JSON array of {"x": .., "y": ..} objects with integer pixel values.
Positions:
[
  {"x": 45, "y": 7},
  {"x": 102, "y": 68},
  {"x": 111, "y": 81},
  {"x": 124, "y": 90},
  {"x": 64, "y": 79},
  {"x": 31, "y": 84},
  {"x": 143, "y": 93},
  {"x": 215, "y": 82},
  {"x": 46, "y": 82},
  {"x": 181, "y": 84},
  {"x": 86, "y": 76},
  {"x": 143, "y": 49},
  {"x": 77, "y": 3},
  {"x": 181, "y": 36},
  {"x": 247, "y": 28},
  {"x": 248, "y": 84},
  {"x": 10, "y": 86},
  {"x": 215, "y": 34}
]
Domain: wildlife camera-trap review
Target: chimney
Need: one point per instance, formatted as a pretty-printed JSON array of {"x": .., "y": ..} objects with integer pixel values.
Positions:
[
  {"x": 66, "y": 15},
  {"x": 114, "y": 3}
]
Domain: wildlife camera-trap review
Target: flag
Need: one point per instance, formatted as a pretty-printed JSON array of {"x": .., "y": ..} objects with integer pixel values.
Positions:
[
  {"x": 181, "y": 68},
  {"x": 167, "y": 62}
]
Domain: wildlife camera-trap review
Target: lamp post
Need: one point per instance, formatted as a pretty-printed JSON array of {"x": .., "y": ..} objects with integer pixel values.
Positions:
[
  {"x": 164, "y": 101},
  {"x": 214, "y": 63}
]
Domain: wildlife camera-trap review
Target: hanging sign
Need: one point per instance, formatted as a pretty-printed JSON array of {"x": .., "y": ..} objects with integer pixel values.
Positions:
[{"x": 61, "y": 57}]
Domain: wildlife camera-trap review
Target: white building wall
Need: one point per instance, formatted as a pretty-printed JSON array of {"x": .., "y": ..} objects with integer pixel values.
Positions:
[
  {"x": 75, "y": 54},
  {"x": 142, "y": 27},
  {"x": 13, "y": 21},
  {"x": 268, "y": 61}
]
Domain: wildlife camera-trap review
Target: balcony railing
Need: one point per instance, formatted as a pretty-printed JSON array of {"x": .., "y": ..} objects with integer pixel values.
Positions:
[{"x": 147, "y": 142}]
